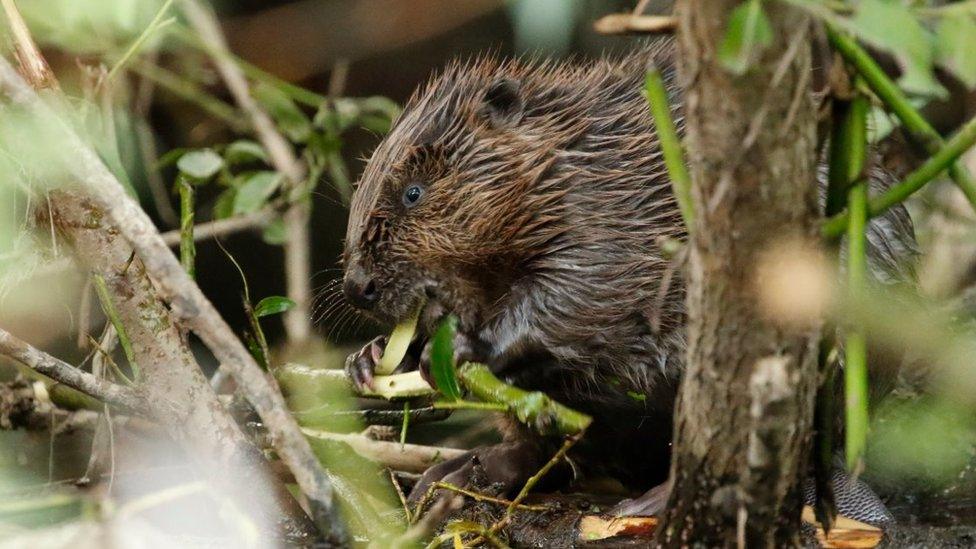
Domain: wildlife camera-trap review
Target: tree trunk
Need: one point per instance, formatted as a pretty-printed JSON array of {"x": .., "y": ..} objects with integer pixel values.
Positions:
[{"x": 745, "y": 406}]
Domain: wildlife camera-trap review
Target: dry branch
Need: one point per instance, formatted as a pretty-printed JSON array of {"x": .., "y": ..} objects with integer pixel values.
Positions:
[
  {"x": 223, "y": 227},
  {"x": 63, "y": 372}
]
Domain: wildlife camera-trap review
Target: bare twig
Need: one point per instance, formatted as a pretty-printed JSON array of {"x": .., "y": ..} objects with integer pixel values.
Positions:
[
  {"x": 297, "y": 261},
  {"x": 67, "y": 374},
  {"x": 187, "y": 301},
  {"x": 35, "y": 67},
  {"x": 626, "y": 23}
]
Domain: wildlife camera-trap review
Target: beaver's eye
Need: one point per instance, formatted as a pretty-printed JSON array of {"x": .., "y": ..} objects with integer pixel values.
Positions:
[{"x": 412, "y": 195}]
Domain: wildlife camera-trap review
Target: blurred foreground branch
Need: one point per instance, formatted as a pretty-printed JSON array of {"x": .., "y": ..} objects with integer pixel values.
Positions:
[{"x": 188, "y": 305}]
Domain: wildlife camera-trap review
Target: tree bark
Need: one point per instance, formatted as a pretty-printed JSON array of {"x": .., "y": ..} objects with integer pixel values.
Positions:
[
  {"x": 745, "y": 406},
  {"x": 175, "y": 390}
]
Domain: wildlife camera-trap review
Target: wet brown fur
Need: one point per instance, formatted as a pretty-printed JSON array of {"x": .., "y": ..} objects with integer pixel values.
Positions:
[{"x": 539, "y": 230}]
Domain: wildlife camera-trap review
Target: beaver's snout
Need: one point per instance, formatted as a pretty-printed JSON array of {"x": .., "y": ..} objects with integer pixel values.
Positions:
[{"x": 360, "y": 288}]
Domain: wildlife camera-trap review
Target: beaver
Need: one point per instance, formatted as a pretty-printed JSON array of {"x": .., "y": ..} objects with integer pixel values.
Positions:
[{"x": 530, "y": 200}]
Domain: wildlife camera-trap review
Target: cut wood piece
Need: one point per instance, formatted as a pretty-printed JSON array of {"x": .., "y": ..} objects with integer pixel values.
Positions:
[
  {"x": 846, "y": 533},
  {"x": 598, "y": 527}
]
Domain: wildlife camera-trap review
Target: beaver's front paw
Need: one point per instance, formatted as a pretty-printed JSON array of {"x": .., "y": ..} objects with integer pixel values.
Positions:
[
  {"x": 498, "y": 470},
  {"x": 361, "y": 365}
]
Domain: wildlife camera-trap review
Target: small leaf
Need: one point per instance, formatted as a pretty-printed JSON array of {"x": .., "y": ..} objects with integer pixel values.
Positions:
[
  {"x": 224, "y": 206},
  {"x": 200, "y": 165},
  {"x": 274, "y": 233},
  {"x": 442, "y": 367},
  {"x": 891, "y": 26},
  {"x": 255, "y": 190},
  {"x": 639, "y": 397},
  {"x": 273, "y": 305},
  {"x": 955, "y": 47},
  {"x": 292, "y": 121},
  {"x": 748, "y": 33},
  {"x": 244, "y": 151}
]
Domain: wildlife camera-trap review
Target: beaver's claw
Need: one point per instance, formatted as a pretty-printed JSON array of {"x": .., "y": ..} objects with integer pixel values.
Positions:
[{"x": 361, "y": 365}]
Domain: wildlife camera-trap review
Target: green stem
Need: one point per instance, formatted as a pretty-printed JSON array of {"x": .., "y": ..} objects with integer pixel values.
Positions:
[
  {"x": 188, "y": 250},
  {"x": 155, "y": 24},
  {"x": 855, "y": 348},
  {"x": 532, "y": 408},
  {"x": 920, "y": 131},
  {"x": 406, "y": 423},
  {"x": 657, "y": 98},
  {"x": 955, "y": 147},
  {"x": 113, "y": 316},
  {"x": 848, "y": 141}
]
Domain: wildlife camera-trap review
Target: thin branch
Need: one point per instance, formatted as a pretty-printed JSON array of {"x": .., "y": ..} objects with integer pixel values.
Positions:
[
  {"x": 62, "y": 372},
  {"x": 188, "y": 302},
  {"x": 298, "y": 273},
  {"x": 224, "y": 227}
]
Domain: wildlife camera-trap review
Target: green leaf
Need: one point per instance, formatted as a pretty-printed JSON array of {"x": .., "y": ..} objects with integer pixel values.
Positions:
[
  {"x": 255, "y": 190},
  {"x": 891, "y": 26},
  {"x": 748, "y": 33},
  {"x": 292, "y": 121},
  {"x": 955, "y": 47},
  {"x": 273, "y": 305},
  {"x": 442, "y": 367},
  {"x": 244, "y": 151},
  {"x": 274, "y": 233},
  {"x": 224, "y": 206},
  {"x": 200, "y": 165}
]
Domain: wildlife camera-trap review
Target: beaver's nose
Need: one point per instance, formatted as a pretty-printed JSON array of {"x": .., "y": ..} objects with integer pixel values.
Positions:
[{"x": 360, "y": 288}]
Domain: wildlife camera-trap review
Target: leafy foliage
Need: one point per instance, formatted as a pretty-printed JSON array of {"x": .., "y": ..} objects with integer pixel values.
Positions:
[{"x": 917, "y": 35}]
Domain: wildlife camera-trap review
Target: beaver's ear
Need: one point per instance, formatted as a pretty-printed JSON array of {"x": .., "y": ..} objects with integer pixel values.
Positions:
[{"x": 502, "y": 103}]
